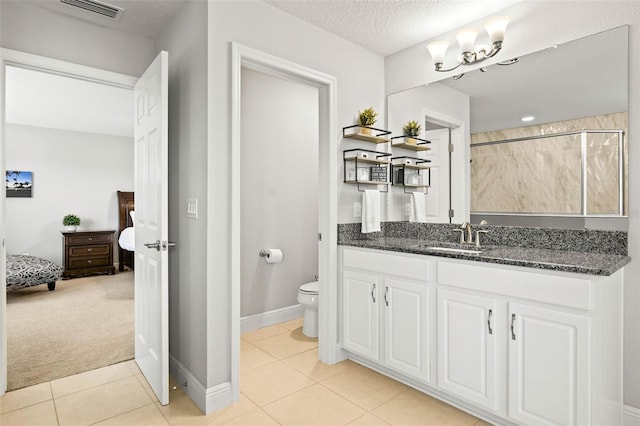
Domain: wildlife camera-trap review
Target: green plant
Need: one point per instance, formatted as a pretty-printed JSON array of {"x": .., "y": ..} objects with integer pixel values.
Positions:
[
  {"x": 71, "y": 220},
  {"x": 412, "y": 128},
  {"x": 367, "y": 117}
]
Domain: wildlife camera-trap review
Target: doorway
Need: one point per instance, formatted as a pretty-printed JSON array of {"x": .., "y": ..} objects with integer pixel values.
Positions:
[
  {"x": 33, "y": 62},
  {"x": 76, "y": 138},
  {"x": 248, "y": 58},
  {"x": 279, "y": 191}
]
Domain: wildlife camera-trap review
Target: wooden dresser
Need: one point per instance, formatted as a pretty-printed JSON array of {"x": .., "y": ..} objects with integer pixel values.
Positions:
[{"x": 87, "y": 252}]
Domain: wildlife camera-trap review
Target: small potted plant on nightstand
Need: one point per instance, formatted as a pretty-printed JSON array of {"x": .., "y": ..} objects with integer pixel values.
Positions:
[
  {"x": 367, "y": 118},
  {"x": 71, "y": 222},
  {"x": 411, "y": 130}
]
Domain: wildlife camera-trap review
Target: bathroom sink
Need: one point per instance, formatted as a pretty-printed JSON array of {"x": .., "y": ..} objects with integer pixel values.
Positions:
[{"x": 454, "y": 250}]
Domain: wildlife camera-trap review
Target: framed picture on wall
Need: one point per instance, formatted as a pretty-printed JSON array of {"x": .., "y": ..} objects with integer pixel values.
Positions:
[{"x": 18, "y": 184}]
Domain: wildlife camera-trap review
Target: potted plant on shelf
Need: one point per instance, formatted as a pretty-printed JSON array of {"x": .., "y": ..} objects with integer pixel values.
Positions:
[
  {"x": 367, "y": 118},
  {"x": 411, "y": 130},
  {"x": 71, "y": 222}
]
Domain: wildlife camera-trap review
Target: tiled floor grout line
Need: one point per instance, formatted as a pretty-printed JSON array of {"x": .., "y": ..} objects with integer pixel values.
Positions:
[
  {"x": 91, "y": 387},
  {"x": 55, "y": 406}
]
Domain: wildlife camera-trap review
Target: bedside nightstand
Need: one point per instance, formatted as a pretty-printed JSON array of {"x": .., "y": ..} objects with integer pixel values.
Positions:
[{"x": 87, "y": 252}]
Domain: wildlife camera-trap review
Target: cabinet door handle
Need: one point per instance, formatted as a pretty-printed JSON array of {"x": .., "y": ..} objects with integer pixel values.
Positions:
[
  {"x": 386, "y": 291},
  {"x": 513, "y": 320},
  {"x": 489, "y": 321},
  {"x": 373, "y": 288}
]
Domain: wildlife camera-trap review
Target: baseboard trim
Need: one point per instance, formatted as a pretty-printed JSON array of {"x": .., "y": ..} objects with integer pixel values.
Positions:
[
  {"x": 207, "y": 400},
  {"x": 253, "y": 322},
  {"x": 631, "y": 416}
]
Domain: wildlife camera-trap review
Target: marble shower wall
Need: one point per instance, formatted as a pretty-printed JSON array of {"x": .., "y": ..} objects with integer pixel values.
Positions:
[{"x": 544, "y": 175}]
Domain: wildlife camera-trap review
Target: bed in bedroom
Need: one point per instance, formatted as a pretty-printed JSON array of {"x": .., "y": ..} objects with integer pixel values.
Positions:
[
  {"x": 126, "y": 244},
  {"x": 27, "y": 271}
]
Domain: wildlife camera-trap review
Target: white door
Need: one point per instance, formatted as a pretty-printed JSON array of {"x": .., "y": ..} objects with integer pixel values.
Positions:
[
  {"x": 360, "y": 312},
  {"x": 468, "y": 334},
  {"x": 437, "y": 198},
  {"x": 407, "y": 324},
  {"x": 3, "y": 280},
  {"x": 548, "y": 367},
  {"x": 151, "y": 188}
]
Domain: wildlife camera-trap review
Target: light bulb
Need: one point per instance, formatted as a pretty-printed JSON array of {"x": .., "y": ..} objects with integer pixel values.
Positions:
[
  {"x": 438, "y": 49},
  {"x": 496, "y": 28},
  {"x": 466, "y": 39}
]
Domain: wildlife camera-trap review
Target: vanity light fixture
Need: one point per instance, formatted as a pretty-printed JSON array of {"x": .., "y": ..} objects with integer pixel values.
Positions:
[
  {"x": 527, "y": 118},
  {"x": 471, "y": 53}
]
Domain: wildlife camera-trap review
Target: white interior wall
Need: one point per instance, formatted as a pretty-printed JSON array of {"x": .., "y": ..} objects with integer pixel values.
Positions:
[
  {"x": 360, "y": 84},
  {"x": 279, "y": 189},
  {"x": 185, "y": 38},
  {"x": 36, "y": 30},
  {"x": 539, "y": 25},
  {"x": 73, "y": 172}
]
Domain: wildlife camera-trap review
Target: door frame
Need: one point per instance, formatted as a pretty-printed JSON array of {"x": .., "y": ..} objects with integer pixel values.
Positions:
[
  {"x": 15, "y": 58},
  {"x": 243, "y": 56},
  {"x": 459, "y": 182}
]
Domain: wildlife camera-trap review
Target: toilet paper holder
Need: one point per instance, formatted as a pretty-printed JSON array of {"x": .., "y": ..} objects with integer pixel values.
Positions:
[{"x": 263, "y": 253}]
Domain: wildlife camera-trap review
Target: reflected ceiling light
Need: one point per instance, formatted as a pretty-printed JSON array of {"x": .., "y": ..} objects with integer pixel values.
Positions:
[
  {"x": 471, "y": 53},
  {"x": 527, "y": 118}
]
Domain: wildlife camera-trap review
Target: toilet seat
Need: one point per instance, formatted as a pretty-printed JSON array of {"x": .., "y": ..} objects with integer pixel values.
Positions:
[{"x": 309, "y": 288}]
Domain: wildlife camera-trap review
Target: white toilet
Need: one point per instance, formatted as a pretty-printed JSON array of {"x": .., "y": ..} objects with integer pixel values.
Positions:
[{"x": 308, "y": 298}]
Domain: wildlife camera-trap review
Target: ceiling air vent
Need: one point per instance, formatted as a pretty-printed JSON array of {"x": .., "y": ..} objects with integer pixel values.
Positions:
[{"x": 96, "y": 7}]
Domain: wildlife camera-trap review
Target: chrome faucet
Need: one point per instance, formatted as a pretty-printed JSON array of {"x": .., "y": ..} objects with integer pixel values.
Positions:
[{"x": 466, "y": 226}]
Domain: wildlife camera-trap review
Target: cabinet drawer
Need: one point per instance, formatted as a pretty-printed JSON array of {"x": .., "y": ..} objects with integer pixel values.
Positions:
[
  {"x": 404, "y": 265},
  {"x": 559, "y": 290},
  {"x": 88, "y": 239},
  {"x": 89, "y": 262},
  {"x": 89, "y": 250}
]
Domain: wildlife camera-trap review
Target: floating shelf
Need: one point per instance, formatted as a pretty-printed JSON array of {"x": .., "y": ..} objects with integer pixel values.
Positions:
[
  {"x": 401, "y": 142},
  {"x": 414, "y": 164},
  {"x": 357, "y": 132},
  {"x": 364, "y": 164},
  {"x": 402, "y": 164}
]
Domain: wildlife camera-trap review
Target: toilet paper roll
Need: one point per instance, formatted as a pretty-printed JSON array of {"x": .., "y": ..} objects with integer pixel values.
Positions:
[{"x": 273, "y": 256}]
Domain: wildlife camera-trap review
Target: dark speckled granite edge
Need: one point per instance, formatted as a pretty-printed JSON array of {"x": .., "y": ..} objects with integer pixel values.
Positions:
[
  {"x": 578, "y": 240},
  {"x": 579, "y": 251}
]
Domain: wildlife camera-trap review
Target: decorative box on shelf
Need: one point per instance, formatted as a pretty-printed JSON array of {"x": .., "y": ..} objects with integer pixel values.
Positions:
[
  {"x": 366, "y": 133},
  {"x": 410, "y": 142}
]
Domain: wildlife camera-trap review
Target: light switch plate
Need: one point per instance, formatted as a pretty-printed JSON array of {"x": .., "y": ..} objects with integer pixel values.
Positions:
[
  {"x": 357, "y": 209},
  {"x": 192, "y": 208}
]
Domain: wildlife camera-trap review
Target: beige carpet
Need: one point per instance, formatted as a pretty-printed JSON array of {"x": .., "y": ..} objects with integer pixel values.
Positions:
[{"x": 86, "y": 323}]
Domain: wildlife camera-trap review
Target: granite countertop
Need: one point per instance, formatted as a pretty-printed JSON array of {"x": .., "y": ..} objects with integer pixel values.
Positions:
[{"x": 556, "y": 260}]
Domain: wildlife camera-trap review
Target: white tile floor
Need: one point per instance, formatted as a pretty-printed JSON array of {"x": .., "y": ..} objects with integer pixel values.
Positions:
[{"x": 282, "y": 383}]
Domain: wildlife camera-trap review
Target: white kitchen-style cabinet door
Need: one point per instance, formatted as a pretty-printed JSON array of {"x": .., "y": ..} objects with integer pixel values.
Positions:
[
  {"x": 360, "y": 313},
  {"x": 407, "y": 324},
  {"x": 469, "y": 332},
  {"x": 548, "y": 367}
]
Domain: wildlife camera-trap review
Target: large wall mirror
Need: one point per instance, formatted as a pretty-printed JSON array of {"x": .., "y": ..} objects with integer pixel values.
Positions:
[{"x": 567, "y": 166}]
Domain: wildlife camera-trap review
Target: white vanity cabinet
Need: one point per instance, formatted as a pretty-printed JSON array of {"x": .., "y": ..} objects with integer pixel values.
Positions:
[
  {"x": 469, "y": 332},
  {"x": 360, "y": 313},
  {"x": 517, "y": 345},
  {"x": 548, "y": 366},
  {"x": 387, "y": 313}
]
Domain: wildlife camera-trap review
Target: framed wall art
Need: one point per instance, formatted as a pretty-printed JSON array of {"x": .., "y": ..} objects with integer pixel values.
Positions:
[{"x": 18, "y": 183}]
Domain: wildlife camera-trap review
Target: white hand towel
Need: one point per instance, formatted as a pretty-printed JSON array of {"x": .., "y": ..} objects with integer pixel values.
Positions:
[
  {"x": 370, "y": 211},
  {"x": 417, "y": 212}
]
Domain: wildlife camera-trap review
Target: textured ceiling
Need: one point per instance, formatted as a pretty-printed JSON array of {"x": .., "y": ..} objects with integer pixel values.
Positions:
[{"x": 388, "y": 26}]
